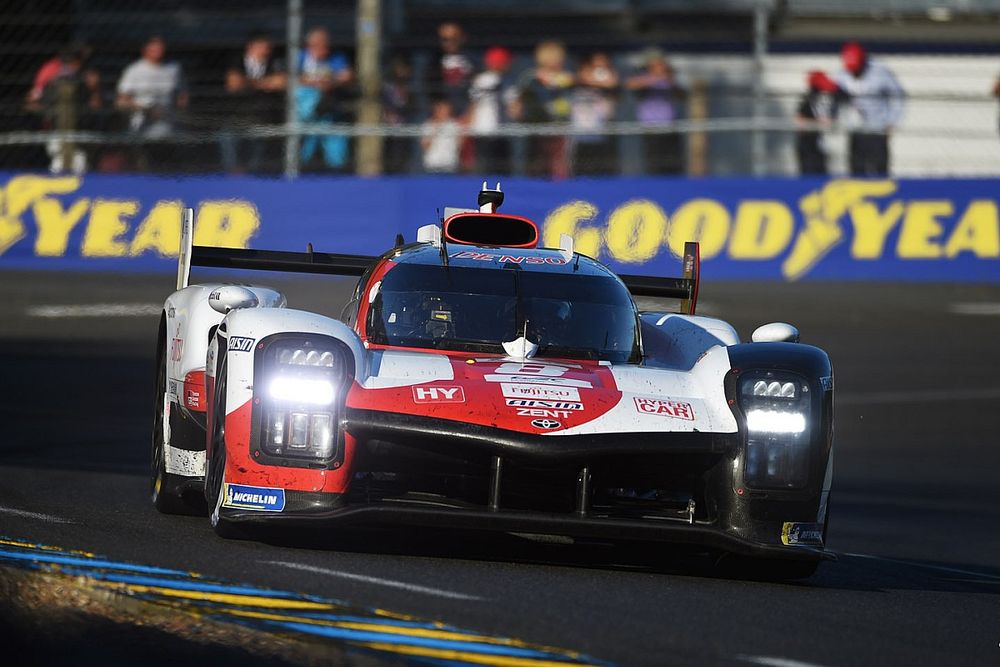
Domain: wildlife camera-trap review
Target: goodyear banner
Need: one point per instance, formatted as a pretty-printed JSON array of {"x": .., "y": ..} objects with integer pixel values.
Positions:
[{"x": 773, "y": 229}]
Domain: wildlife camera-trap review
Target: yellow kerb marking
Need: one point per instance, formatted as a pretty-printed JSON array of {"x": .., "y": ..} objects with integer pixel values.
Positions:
[
  {"x": 231, "y": 598},
  {"x": 464, "y": 656},
  {"x": 378, "y": 627}
]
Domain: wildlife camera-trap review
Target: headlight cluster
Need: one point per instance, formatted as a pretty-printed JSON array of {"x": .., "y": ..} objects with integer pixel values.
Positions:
[
  {"x": 777, "y": 408},
  {"x": 299, "y": 405}
]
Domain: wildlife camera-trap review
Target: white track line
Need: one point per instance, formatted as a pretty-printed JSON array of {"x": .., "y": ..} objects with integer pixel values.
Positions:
[
  {"x": 918, "y": 396},
  {"x": 403, "y": 585},
  {"x": 925, "y": 566},
  {"x": 96, "y": 310},
  {"x": 975, "y": 308},
  {"x": 35, "y": 515},
  {"x": 774, "y": 661}
]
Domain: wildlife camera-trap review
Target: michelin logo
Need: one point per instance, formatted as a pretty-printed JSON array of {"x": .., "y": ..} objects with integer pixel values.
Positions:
[{"x": 254, "y": 498}]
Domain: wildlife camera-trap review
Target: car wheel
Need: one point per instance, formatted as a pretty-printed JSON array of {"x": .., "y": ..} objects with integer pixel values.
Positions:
[
  {"x": 215, "y": 483},
  {"x": 164, "y": 488}
]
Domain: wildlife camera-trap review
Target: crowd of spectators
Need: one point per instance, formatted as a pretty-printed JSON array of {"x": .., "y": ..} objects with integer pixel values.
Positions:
[{"x": 460, "y": 100}]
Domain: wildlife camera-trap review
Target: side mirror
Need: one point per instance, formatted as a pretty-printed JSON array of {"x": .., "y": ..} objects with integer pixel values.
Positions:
[
  {"x": 231, "y": 297},
  {"x": 775, "y": 332}
]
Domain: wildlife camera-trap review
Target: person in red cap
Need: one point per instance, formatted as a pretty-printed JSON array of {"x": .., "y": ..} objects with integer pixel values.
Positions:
[
  {"x": 817, "y": 110},
  {"x": 490, "y": 93},
  {"x": 876, "y": 99}
]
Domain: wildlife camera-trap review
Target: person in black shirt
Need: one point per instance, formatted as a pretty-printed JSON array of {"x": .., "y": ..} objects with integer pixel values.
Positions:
[
  {"x": 255, "y": 87},
  {"x": 816, "y": 110}
]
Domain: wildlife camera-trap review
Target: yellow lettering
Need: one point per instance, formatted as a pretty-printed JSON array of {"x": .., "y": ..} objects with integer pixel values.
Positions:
[
  {"x": 977, "y": 232},
  {"x": 160, "y": 231},
  {"x": 762, "y": 229},
  {"x": 702, "y": 220},
  {"x": 871, "y": 227},
  {"x": 822, "y": 210},
  {"x": 226, "y": 224},
  {"x": 566, "y": 220},
  {"x": 636, "y": 230},
  {"x": 19, "y": 194},
  {"x": 106, "y": 227},
  {"x": 920, "y": 233},
  {"x": 54, "y": 225}
]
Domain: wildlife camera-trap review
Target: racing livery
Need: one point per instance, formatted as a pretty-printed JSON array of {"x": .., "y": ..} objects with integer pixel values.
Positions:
[{"x": 477, "y": 381}]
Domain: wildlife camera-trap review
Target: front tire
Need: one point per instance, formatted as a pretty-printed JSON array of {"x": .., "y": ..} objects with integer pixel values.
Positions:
[
  {"x": 215, "y": 480},
  {"x": 165, "y": 489}
]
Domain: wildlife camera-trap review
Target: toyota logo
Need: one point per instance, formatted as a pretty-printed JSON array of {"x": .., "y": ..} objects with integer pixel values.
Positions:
[{"x": 547, "y": 424}]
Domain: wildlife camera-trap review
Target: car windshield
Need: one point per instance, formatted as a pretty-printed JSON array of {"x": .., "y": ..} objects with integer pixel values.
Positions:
[{"x": 475, "y": 310}]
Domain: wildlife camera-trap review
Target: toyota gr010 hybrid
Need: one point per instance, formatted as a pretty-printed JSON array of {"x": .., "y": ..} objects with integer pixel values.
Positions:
[{"x": 477, "y": 381}]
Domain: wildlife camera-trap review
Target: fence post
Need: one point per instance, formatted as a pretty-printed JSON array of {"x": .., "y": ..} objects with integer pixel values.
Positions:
[
  {"x": 697, "y": 140},
  {"x": 293, "y": 38},
  {"x": 369, "y": 38},
  {"x": 758, "y": 140}
]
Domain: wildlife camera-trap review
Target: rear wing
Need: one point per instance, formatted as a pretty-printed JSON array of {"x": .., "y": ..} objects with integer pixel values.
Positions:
[
  {"x": 684, "y": 288},
  {"x": 261, "y": 260}
]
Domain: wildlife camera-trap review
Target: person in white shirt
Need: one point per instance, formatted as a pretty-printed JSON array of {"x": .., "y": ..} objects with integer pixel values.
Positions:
[
  {"x": 152, "y": 91},
  {"x": 876, "y": 99},
  {"x": 442, "y": 136}
]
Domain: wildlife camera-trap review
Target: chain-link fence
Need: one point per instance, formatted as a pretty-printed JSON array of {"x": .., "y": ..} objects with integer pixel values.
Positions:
[{"x": 393, "y": 87}]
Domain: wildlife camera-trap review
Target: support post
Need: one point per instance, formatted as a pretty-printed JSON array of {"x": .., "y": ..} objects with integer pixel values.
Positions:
[
  {"x": 369, "y": 41},
  {"x": 293, "y": 37},
  {"x": 758, "y": 139}
]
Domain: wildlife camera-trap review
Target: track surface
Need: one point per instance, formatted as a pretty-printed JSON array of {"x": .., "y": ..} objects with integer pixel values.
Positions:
[{"x": 915, "y": 512}]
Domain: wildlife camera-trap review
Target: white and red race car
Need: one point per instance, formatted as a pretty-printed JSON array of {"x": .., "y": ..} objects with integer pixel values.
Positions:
[{"x": 479, "y": 382}]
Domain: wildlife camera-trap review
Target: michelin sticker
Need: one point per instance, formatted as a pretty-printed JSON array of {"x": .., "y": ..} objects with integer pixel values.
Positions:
[
  {"x": 810, "y": 534},
  {"x": 258, "y": 498}
]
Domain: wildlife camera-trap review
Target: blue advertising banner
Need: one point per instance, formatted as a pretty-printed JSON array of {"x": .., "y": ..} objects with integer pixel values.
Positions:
[{"x": 769, "y": 229}]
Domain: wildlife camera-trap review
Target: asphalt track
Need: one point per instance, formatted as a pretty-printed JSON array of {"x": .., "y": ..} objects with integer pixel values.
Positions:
[{"x": 915, "y": 516}]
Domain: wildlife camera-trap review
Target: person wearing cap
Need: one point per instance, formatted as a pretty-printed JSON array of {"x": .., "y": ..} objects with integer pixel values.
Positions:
[
  {"x": 816, "y": 111},
  {"x": 876, "y": 99},
  {"x": 490, "y": 95}
]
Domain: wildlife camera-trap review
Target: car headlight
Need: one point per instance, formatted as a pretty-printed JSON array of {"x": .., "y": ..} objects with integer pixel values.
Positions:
[
  {"x": 302, "y": 380},
  {"x": 302, "y": 390},
  {"x": 777, "y": 409}
]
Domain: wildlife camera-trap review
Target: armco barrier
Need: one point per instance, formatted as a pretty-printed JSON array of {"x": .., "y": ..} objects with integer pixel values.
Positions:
[{"x": 774, "y": 229}]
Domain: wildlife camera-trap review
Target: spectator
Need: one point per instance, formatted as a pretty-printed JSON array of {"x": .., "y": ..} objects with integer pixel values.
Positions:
[
  {"x": 326, "y": 84},
  {"x": 816, "y": 112},
  {"x": 877, "y": 101},
  {"x": 544, "y": 96},
  {"x": 658, "y": 98},
  {"x": 593, "y": 107},
  {"x": 255, "y": 86},
  {"x": 451, "y": 71},
  {"x": 69, "y": 99},
  {"x": 441, "y": 140},
  {"x": 491, "y": 94},
  {"x": 73, "y": 55},
  {"x": 398, "y": 109},
  {"x": 152, "y": 91}
]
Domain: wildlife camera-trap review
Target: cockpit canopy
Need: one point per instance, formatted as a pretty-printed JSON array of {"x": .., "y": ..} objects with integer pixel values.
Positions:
[{"x": 571, "y": 316}]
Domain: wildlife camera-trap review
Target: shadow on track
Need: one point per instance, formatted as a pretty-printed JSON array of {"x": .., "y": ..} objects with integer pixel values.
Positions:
[
  {"x": 850, "y": 572},
  {"x": 77, "y": 405}
]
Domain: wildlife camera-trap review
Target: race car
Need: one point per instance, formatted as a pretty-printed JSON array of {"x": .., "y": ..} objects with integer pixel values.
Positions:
[{"x": 476, "y": 381}]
